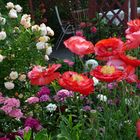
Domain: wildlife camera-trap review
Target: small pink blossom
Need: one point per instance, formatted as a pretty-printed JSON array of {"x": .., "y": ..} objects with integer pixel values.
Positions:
[
  {"x": 82, "y": 24},
  {"x": 70, "y": 63},
  {"x": 32, "y": 100},
  {"x": 93, "y": 29},
  {"x": 79, "y": 33}
]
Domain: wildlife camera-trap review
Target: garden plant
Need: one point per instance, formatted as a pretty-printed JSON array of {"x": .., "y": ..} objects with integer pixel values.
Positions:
[{"x": 95, "y": 96}]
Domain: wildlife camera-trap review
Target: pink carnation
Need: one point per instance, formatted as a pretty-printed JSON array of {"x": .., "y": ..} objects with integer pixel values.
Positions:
[
  {"x": 16, "y": 113},
  {"x": 13, "y": 102},
  {"x": 32, "y": 100}
]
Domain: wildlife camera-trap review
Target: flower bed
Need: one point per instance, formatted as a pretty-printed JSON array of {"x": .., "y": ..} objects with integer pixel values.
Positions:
[{"x": 95, "y": 96}]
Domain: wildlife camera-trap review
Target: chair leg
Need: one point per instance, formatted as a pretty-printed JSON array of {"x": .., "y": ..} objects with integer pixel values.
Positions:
[{"x": 59, "y": 40}]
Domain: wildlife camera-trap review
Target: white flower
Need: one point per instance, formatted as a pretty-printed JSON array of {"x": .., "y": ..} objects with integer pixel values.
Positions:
[
  {"x": 26, "y": 21},
  {"x": 40, "y": 45},
  {"x": 50, "y": 32},
  {"x": 9, "y": 85},
  {"x": 44, "y": 39},
  {"x": 10, "y": 5},
  {"x": 49, "y": 50},
  {"x": 18, "y": 8},
  {"x": 43, "y": 29},
  {"x": 2, "y": 21},
  {"x": 22, "y": 77},
  {"x": 96, "y": 81},
  {"x": 91, "y": 64},
  {"x": 2, "y": 35},
  {"x": 1, "y": 58},
  {"x": 13, "y": 13},
  {"x": 13, "y": 75},
  {"x": 102, "y": 97},
  {"x": 35, "y": 28},
  {"x": 46, "y": 57},
  {"x": 128, "y": 101},
  {"x": 51, "y": 107}
]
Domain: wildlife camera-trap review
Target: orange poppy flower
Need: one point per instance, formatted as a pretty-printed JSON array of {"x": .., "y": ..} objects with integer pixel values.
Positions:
[
  {"x": 107, "y": 73},
  {"x": 41, "y": 75},
  {"x": 77, "y": 82},
  {"x": 106, "y": 48},
  {"x": 130, "y": 60},
  {"x": 79, "y": 45}
]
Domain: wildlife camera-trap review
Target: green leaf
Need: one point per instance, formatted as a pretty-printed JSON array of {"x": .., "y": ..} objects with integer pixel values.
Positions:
[{"x": 42, "y": 135}]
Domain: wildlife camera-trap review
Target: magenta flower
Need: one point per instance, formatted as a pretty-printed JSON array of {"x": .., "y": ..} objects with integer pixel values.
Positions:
[
  {"x": 32, "y": 100},
  {"x": 43, "y": 91},
  {"x": 87, "y": 108},
  {"x": 62, "y": 95},
  {"x": 33, "y": 123},
  {"x": 93, "y": 29},
  {"x": 79, "y": 33},
  {"x": 44, "y": 98}
]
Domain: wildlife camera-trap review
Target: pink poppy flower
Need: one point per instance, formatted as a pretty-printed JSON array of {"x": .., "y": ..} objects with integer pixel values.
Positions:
[{"x": 79, "y": 45}]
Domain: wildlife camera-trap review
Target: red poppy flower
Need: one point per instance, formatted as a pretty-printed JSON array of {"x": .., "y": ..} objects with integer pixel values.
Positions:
[
  {"x": 130, "y": 60},
  {"x": 133, "y": 40},
  {"x": 138, "y": 128},
  {"x": 134, "y": 26},
  {"x": 79, "y": 45},
  {"x": 42, "y": 75},
  {"x": 76, "y": 82},
  {"x": 128, "y": 71},
  {"x": 107, "y": 48},
  {"x": 133, "y": 34},
  {"x": 107, "y": 73}
]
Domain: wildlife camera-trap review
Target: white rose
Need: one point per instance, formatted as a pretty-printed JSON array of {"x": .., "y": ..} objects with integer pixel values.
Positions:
[
  {"x": 26, "y": 21},
  {"x": 35, "y": 28},
  {"x": 49, "y": 50},
  {"x": 1, "y": 58},
  {"x": 102, "y": 97},
  {"x": 13, "y": 13},
  {"x": 2, "y": 35},
  {"x": 96, "y": 81},
  {"x": 13, "y": 75},
  {"x": 10, "y": 5},
  {"x": 51, "y": 107},
  {"x": 18, "y": 8},
  {"x": 40, "y": 45},
  {"x": 22, "y": 77},
  {"x": 9, "y": 85},
  {"x": 50, "y": 32},
  {"x": 2, "y": 21},
  {"x": 43, "y": 29},
  {"x": 91, "y": 64},
  {"x": 46, "y": 57},
  {"x": 44, "y": 39}
]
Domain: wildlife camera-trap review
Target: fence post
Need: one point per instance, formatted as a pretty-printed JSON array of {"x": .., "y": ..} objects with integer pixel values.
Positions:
[
  {"x": 133, "y": 9},
  {"x": 92, "y": 9}
]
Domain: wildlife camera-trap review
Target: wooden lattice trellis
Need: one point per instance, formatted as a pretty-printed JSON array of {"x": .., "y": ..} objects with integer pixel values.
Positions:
[{"x": 104, "y": 6}]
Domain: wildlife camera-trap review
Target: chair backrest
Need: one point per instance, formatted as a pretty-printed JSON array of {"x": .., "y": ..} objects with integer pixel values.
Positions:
[
  {"x": 80, "y": 15},
  {"x": 59, "y": 19}
]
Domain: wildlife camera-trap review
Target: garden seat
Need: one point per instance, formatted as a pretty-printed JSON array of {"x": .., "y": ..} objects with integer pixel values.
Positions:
[{"x": 67, "y": 28}]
